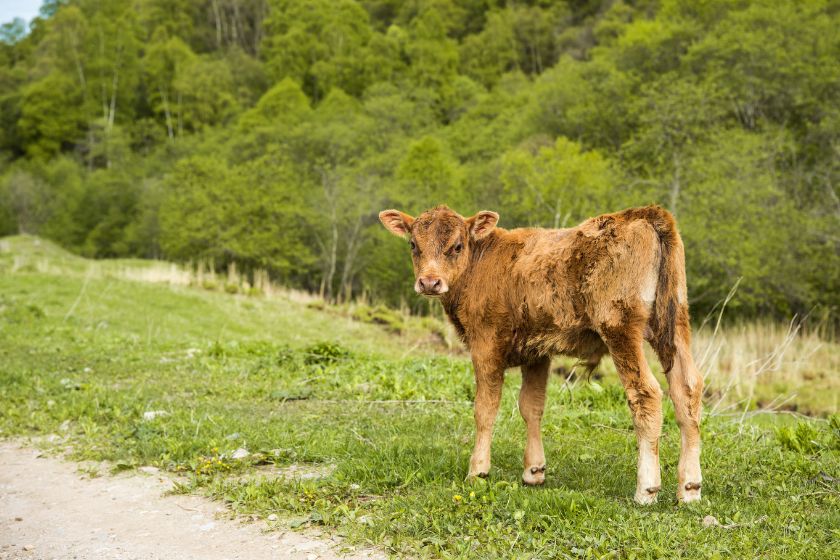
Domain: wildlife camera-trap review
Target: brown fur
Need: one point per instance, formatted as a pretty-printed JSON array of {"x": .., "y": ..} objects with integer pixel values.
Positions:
[{"x": 518, "y": 297}]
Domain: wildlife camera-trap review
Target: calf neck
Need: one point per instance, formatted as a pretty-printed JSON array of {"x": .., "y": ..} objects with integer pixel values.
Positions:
[{"x": 517, "y": 298}]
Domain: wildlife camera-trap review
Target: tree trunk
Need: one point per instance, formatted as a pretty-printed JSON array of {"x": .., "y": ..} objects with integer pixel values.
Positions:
[
  {"x": 218, "y": 24},
  {"x": 166, "y": 111},
  {"x": 103, "y": 88},
  {"x": 83, "y": 82},
  {"x": 330, "y": 252},
  {"x": 236, "y": 22},
  {"x": 258, "y": 27},
  {"x": 675, "y": 187},
  {"x": 180, "y": 122},
  {"x": 353, "y": 244}
]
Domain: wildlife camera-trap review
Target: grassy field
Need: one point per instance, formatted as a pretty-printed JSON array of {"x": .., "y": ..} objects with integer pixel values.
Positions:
[{"x": 385, "y": 423}]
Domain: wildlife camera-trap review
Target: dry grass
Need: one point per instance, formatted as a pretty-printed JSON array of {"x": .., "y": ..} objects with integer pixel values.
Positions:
[
  {"x": 37, "y": 255},
  {"x": 756, "y": 367},
  {"x": 769, "y": 365}
]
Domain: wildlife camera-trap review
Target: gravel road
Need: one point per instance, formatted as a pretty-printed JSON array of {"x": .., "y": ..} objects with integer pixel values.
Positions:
[{"x": 50, "y": 510}]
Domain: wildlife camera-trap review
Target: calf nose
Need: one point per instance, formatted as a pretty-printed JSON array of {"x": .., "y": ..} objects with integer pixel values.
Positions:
[{"x": 430, "y": 285}]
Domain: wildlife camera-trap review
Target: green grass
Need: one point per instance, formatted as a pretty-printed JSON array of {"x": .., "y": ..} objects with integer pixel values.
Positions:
[
  {"x": 270, "y": 376},
  {"x": 91, "y": 296}
]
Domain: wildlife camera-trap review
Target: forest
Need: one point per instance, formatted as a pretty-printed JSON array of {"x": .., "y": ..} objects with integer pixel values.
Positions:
[{"x": 269, "y": 134}]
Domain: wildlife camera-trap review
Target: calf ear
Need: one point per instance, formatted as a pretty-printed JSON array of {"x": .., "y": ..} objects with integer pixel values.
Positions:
[
  {"x": 396, "y": 222},
  {"x": 482, "y": 224}
]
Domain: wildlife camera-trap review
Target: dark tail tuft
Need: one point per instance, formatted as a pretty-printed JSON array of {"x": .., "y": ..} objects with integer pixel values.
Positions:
[{"x": 671, "y": 308}]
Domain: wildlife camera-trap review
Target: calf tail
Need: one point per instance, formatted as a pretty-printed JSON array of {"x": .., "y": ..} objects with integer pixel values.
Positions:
[
  {"x": 671, "y": 342},
  {"x": 670, "y": 320}
]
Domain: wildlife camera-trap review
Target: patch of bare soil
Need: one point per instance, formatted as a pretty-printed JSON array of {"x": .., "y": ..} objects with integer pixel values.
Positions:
[{"x": 50, "y": 510}]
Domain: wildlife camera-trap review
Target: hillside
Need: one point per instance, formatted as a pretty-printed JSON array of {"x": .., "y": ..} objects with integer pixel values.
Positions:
[
  {"x": 748, "y": 366},
  {"x": 152, "y": 303},
  {"x": 121, "y": 374}
]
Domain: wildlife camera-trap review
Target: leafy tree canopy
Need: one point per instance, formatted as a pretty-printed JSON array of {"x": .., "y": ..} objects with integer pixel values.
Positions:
[{"x": 270, "y": 133}]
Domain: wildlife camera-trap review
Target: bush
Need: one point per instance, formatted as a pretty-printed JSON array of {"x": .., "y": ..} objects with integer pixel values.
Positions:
[
  {"x": 14, "y": 312},
  {"x": 325, "y": 353}
]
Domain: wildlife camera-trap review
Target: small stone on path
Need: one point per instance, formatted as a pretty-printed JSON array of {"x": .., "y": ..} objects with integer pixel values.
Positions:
[
  {"x": 300, "y": 547},
  {"x": 273, "y": 517},
  {"x": 150, "y": 470},
  {"x": 240, "y": 453}
]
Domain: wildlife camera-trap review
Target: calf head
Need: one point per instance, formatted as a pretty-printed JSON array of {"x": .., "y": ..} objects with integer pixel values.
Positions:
[{"x": 441, "y": 244}]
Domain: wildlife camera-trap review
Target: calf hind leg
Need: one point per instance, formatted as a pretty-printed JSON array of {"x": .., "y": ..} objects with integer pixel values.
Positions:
[
  {"x": 531, "y": 407},
  {"x": 644, "y": 397},
  {"x": 686, "y": 388}
]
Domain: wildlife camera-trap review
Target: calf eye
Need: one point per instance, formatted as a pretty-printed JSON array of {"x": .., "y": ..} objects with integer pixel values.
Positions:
[
  {"x": 413, "y": 246},
  {"x": 458, "y": 248}
]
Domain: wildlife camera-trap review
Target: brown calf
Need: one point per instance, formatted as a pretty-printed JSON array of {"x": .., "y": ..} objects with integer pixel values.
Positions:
[{"x": 517, "y": 298}]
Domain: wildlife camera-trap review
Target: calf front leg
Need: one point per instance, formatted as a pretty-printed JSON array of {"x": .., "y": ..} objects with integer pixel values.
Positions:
[
  {"x": 489, "y": 379},
  {"x": 531, "y": 407}
]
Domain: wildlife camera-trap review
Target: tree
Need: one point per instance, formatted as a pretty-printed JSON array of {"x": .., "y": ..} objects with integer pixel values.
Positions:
[
  {"x": 558, "y": 183},
  {"x": 69, "y": 39},
  {"x": 171, "y": 18},
  {"x": 319, "y": 44},
  {"x": 676, "y": 116},
  {"x": 112, "y": 66},
  {"x": 50, "y": 7},
  {"x": 433, "y": 56},
  {"x": 589, "y": 102},
  {"x": 347, "y": 188},
  {"x": 52, "y": 116},
  {"x": 428, "y": 175},
  {"x": 30, "y": 200},
  {"x": 171, "y": 127},
  {"x": 165, "y": 63},
  {"x": 738, "y": 223},
  {"x": 285, "y": 103},
  {"x": 208, "y": 94},
  {"x": 250, "y": 215},
  {"x": 494, "y": 51},
  {"x": 776, "y": 61}
]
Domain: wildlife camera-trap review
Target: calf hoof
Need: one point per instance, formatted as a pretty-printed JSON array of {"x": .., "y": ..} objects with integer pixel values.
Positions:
[
  {"x": 689, "y": 492},
  {"x": 534, "y": 476},
  {"x": 647, "y": 495},
  {"x": 477, "y": 478}
]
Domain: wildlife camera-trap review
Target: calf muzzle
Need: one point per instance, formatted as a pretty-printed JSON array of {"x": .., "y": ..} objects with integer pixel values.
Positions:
[{"x": 431, "y": 286}]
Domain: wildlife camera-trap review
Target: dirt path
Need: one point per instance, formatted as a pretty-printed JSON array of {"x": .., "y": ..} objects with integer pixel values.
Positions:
[{"x": 49, "y": 510}]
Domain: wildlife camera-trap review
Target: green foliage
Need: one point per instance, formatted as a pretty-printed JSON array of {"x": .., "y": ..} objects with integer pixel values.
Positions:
[
  {"x": 51, "y": 116},
  {"x": 14, "y": 312},
  {"x": 211, "y": 209},
  {"x": 270, "y": 134},
  {"x": 325, "y": 353},
  {"x": 560, "y": 184},
  {"x": 429, "y": 174},
  {"x": 380, "y": 315},
  {"x": 320, "y": 44},
  {"x": 807, "y": 439},
  {"x": 283, "y": 104}
]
